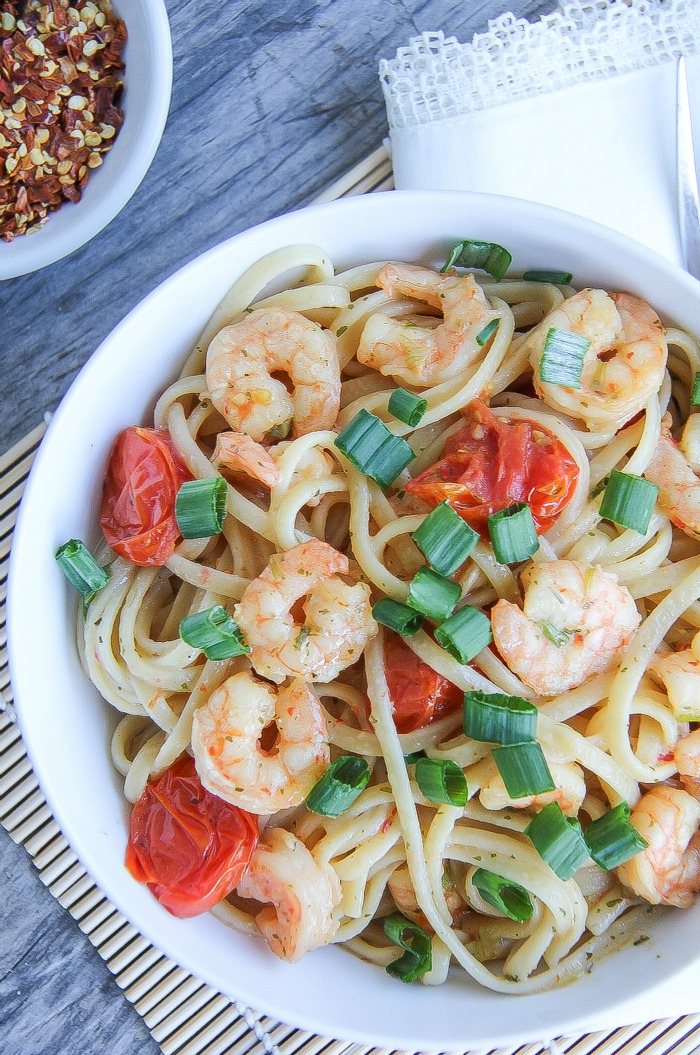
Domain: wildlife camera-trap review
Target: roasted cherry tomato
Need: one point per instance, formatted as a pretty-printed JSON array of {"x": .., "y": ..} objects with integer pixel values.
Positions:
[
  {"x": 144, "y": 474},
  {"x": 419, "y": 694},
  {"x": 491, "y": 463},
  {"x": 190, "y": 847}
]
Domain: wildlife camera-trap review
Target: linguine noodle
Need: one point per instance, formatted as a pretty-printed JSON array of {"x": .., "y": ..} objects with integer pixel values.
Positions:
[{"x": 612, "y": 733}]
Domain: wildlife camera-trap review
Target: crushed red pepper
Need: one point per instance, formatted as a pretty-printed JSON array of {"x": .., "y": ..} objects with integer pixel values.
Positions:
[{"x": 61, "y": 77}]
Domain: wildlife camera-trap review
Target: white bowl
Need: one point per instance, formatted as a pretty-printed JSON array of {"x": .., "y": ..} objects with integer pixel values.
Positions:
[
  {"x": 148, "y": 78},
  {"x": 67, "y": 726}
]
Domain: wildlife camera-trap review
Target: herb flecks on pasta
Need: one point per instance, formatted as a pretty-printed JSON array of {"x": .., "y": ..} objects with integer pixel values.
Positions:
[{"x": 434, "y": 448}]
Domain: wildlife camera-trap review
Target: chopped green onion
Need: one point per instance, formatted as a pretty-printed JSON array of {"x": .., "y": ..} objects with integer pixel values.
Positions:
[
  {"x": 695, "y": 395},
  {"x": 629, "y": 500},
  {"x": 397, "y": 616},
  {"x": 612, "y": 839},
  {"x": 418, "y": 954},
  {"x": 559, "y": 278},
  {"x": 214, "y": 633},
  {"x": 81, "y": 569},
  {"x": 487, "y": 256},
  {"x": 495, "y": 718},
  {"x": 433, "y": 594},
  {"x": 562, "y": 358},
  {"x": 509, "y": 898},
  {"x": 406, "y": 406},
  {"x": 556, "y": 635},
  {"x": 442, "y": 780},
  {"x": 373, "y": 449},
  {"x": 200, "y": 507},
  {"x": 411, "y": 759},
  {"x": 444, "y": 539},
  {"x": 523, "y": 768},
  {"x": 558, "y": 840},
  {"x": 339, "y": 786},
  {"x": 513, "y": 534},
  {"x": 465, "y": 633},
  {"x": 280, "y": 432},
  {"x": 487, "y": 332}
]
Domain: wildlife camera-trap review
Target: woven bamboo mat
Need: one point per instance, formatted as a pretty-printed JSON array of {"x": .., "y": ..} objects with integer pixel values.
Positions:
[{"x": 185, "y": 1016}]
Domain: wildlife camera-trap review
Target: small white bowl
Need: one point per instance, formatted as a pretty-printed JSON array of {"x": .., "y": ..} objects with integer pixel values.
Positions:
[
  {"x": 148, "y": 79},
  {"x": 67, "y": 726}
]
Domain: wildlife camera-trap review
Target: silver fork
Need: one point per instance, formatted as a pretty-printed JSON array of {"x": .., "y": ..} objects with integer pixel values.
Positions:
[{"x": 688, "y": 201}]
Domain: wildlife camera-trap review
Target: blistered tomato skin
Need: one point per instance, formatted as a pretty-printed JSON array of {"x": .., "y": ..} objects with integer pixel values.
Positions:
[
  {"x": 419, "y": 695},
  {"x": 143, "y": 476},
  {"x": 493, "y": 462},
  {"x": 188, "y": 846}
]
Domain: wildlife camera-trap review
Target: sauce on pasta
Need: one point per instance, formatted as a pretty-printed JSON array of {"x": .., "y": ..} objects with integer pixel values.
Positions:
[{"x": 589, "y": 649}]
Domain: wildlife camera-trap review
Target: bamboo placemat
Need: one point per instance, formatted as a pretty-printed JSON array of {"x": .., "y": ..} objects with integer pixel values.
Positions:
[{"x": 185, "y": 1016}]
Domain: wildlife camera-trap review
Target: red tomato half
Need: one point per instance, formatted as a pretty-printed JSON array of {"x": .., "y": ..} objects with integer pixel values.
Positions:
[
  {"x": 144, "y": 474},
  {"x": 419, "y": 694},
  {"x": 190, "y": 847},
  {"x": 492, "y": 463}
]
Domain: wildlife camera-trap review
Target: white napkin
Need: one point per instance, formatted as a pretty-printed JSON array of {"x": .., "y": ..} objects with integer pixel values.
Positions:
[{"x": 576, "y": 111}]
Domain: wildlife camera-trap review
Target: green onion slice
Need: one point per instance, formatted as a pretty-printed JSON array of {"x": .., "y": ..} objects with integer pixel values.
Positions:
[
  {"x": 418, "y": 954},
  {"x": 411, "y": 759},
  {"x": 695, "y": 394},
  {"x": 442, "y": 780},
  {"x": 562, "y": 358},
  {"x": 200, "y": 507},
  {"x": 373, "y": 449},
  {"x": 433, "y": 594},
  {"x": 629, "y": 500},
  {"x": 558, "y": 840},
  {"x": 495, "y": 718},
  {"x": 465, "y": 633},
  {"x": 559, "y": 278},
  {"x": 487, "y": 332},
  {"x": 397, "y": 616},
  {"x": 523, "y": 768},
  {"x": 612, "y": 839},
  {"x": 214, "y": 633},
  {"x": 487, "y": 256},
  {"x": 509, "y": 898},
  {"x": 407, "y": 406},
  {"x": 339, "y": 786},
  {"x": 81, "y": 569},
  {"x": 513, "y": 533},
  {"x": 444, "y": 539},
  {"x": 557, "y": 635}
]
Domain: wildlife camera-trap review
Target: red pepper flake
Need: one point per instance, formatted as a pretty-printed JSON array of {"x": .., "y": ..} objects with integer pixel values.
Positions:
[{"x": 61, "y": 78}]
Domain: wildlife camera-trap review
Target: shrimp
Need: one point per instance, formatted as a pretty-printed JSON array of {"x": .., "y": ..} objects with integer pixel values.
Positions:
[
  {"x": 686, "y": 755},
  {"x": 243, "y": 357},
  {"x": 338, "y": 619},
  {"x": 679, "y": 487},
  {"x": 314, "y": 464},
  {"x": 668, "y": 871},
  {"x": 623, "y": 366},
  {"x": 416, "y": 352},
  {"x": 230, "y": 759},
  {"x": 679, "y": 673},
  {"x": 401, "y": 889},
  {"x": 570, "y": 791},
  {"x": 237, "y": 452},
  {"x": 575, "y": 622},
  {"x": 302, "y": 895}
]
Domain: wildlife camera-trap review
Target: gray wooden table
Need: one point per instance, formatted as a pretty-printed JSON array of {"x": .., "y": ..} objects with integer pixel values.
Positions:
[{"x": 272, "y": 101}]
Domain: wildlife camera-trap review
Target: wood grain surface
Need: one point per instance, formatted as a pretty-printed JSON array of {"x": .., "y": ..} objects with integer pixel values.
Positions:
[{"x": 272, "y": 101}]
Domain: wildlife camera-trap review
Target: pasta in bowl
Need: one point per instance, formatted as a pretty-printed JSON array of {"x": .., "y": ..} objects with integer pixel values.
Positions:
[{"x": 399, "y": 618}]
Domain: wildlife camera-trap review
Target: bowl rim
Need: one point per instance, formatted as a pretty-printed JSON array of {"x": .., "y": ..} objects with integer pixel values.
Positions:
[
  {"x": 30, "y": 253},
  {"x": 272, "y": 1002}
]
